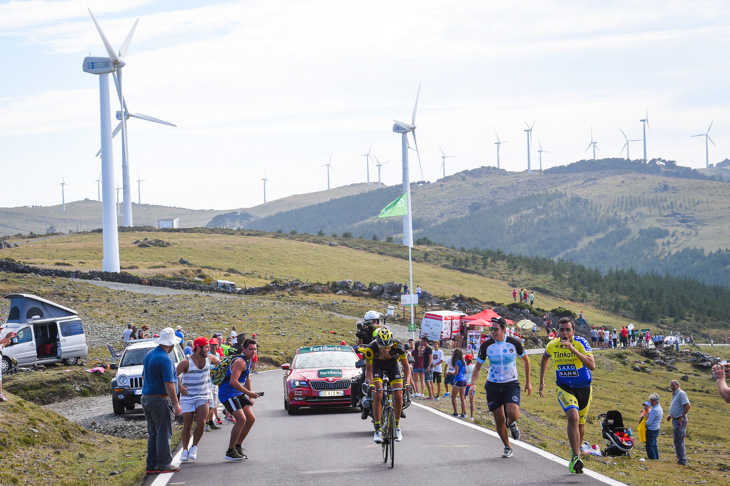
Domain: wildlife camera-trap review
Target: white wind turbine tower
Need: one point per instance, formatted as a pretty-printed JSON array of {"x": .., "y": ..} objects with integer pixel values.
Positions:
[
  {"x": 379, "y": 165},
  {"x": 119, "y": 209},
  {"x": 644, "y": 124},
  {"x": 707, "y": 148},
  {"x": 529, "y": 138},
  {"x": 98, "y": 188},
  {"x": 367, "y": 162},
  {"x": 626, "y": 145},
  {"x": 443, "y": 160},
  {"x": 139, "y": 189},
  {"x": 63, "y": 193},
  {"x": 592, "y": 144},
  {"x": 540, "y": 152},
  {"x": 498, "y": 143},
  {"x": 404, "y": 128},
  {"x": 329, "y": 168},
  {"x": 265, "y": 180}
]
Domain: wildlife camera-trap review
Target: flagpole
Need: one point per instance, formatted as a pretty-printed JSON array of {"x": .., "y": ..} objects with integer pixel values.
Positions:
[{"x": 410, "y": 272}]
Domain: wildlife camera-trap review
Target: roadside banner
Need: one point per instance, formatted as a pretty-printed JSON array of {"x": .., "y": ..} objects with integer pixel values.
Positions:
[{"x": 405, "y": 300}]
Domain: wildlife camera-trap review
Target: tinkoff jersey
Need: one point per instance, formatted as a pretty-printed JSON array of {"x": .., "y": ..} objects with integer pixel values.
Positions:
[{"x": 569, "y": 370}]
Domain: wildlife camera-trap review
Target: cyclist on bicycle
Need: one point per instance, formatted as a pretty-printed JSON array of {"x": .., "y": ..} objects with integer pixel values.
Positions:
[{"x": 382, "y": 357}]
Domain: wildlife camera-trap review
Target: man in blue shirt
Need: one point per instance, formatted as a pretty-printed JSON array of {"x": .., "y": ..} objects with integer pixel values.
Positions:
[
  {"x": 159, "y": 402},
  {"x": 179, "y": 333}
]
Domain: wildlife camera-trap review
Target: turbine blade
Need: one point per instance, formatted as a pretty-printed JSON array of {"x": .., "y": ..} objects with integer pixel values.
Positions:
[
  {"x": 415, "y": 107},
  {"x": 114, "y": 134},
  {"x": 699, "y": 135},
  {"x": 589, "y": 147},
  {"x": 371, "y": 148},
  {"x": 415, "y": 142},
  {"x": 125, "y": 45},
  {"x": 151, "y": 119},
  {"x": 533, "y": 124},
  {"x": 710, "y": 139},
  {"x": 622, "y": 148},
  {"x": 622, "y": 132},
  {"x": 708, "y": 130},
  {"x": 497, "y": 135},
  {"x": 442, "y": 151},
  {"x": 109, "y": 49}
]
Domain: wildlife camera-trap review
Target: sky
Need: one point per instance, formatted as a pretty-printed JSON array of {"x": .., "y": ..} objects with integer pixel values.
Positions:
[{"x": 274, "y": 88}]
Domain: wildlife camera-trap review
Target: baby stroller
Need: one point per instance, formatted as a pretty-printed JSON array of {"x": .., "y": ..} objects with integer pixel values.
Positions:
[{"x": 619, "y": 440}]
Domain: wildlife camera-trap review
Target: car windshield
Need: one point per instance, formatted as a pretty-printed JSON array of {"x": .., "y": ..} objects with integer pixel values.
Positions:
[
  {"x": 325, "y": 359},
  {"x": 135, "y": 357}
]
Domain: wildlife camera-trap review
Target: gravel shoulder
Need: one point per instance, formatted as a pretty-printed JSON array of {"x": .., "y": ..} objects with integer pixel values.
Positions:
[{"x": 95, "y": 414}]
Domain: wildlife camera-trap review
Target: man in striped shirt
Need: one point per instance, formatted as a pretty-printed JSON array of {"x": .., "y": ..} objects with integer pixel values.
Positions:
[
  {"x": 197, "y": 394},
  {"x": 653, "y": 424}
]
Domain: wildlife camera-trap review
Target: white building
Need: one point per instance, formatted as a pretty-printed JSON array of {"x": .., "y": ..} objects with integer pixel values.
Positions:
[{"x": 168, "y": 223}]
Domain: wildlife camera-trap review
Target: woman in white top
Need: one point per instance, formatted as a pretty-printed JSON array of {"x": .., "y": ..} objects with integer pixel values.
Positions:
[{"x": 197, "y": 394}]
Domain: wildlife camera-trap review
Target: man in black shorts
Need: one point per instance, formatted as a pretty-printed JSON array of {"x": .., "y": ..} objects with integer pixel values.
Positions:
[
  {"x": 382, "y": 357},
  {"x": 502, "y": 386}
]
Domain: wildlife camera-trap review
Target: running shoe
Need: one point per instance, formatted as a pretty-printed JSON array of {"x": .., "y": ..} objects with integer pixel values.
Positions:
[
  {"x": 513, "y": 430},
  {"x": 239, "y": 449},
  {"x": 2, "y": 398},
  {"x": 463, "y": 415},
  {"x": 193, "y": 453},
  {"x": 230, "y": 419},
  {"x": 378, "y": 437},
  {"x": 207, "y": 428},
  {"x": 168, "y": 469},
  {"x": 454, "y": 414},
  {"x": 576, "y": 465},
  {"x": 184, "y": 456},
  {"x": 213, "y": 426},
  {"x": 398, "y": 434},
  {"x": 507, "y": 453},
  {"x": 233, "y": 455},
  {"x": 219, "y": 421},
  {"x": 447, "y": 394}
]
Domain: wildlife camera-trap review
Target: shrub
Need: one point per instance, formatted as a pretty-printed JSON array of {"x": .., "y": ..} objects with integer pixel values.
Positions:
[{"x": 562, "y": 312}]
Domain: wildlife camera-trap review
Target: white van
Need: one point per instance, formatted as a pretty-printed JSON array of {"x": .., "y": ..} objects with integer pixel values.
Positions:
[
  {"x": 438, "y": 325},
  {"x": 47, "y": 333},
  {"x": 226, "y": 284}
]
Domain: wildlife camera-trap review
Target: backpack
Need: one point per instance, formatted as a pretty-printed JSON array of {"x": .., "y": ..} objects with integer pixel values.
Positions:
[{"x": 218, "y": 373}]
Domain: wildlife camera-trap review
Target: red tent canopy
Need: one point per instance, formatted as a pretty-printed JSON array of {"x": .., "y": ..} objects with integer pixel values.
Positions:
[{"x": 485, "y": 315}]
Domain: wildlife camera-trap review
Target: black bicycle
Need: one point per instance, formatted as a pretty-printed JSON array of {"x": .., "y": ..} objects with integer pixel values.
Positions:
[{"x": 387, "y": 425}]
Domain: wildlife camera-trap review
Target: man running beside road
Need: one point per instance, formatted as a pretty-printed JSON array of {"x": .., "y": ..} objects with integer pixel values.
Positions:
[
  {"x": 235, "y": 394},
  {"x": 574, "y": 362},
  {"x": 502, "y": 386},
  {"x": 381, "y": 358}
]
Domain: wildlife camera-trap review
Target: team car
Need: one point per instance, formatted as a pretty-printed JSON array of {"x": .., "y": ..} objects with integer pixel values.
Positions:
[
  {"x": 127, "y": 385},
  {"x": 319, "y": 376}
]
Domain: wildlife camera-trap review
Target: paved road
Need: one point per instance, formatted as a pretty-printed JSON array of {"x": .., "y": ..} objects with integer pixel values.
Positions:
[{"x": 336, "y": 445}]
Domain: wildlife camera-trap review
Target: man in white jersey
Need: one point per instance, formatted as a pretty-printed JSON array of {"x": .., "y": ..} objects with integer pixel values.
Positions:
[
  {"x": 502, "y": 386},
  {"x": 197, "y": 394}
]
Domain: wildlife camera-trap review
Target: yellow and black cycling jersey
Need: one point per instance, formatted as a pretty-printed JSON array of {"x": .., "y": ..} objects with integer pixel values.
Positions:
[
  {"x": 570, "y": 371},
  {"x": 396, "y": 351}
]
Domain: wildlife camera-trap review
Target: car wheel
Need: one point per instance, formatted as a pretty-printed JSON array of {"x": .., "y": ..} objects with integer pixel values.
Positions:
[
  {"x": 292, "y": 410},
  {"x": 286, "y": 405},
  {"x": 71, "y": 361},
  {"x": 118, "y": 406},
  {"x": 6, "y": 366},
  {"x": 129, "y": 406}
]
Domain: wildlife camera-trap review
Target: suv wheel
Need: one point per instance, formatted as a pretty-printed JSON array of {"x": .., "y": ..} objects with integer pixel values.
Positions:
[
  {"x": 118, "y": 406},
  {"x": 71, "y": 361},
  {"x": 129, "y": 406},
  {"x": 6, "y": 366}
]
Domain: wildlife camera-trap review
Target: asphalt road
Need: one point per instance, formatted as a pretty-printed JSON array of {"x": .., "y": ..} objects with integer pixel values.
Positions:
[{"x": 336, "y": 445}]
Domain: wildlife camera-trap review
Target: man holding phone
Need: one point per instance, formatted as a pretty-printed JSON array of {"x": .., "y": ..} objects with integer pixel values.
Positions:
[{"x": 574, "y": 362}]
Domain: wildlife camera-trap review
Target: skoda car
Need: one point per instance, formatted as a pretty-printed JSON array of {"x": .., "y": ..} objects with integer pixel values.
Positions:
[{"x": 319, "y": 376}]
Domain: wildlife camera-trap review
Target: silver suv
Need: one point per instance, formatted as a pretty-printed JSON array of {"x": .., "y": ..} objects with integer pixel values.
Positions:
[{"x": 127, "y": 385}]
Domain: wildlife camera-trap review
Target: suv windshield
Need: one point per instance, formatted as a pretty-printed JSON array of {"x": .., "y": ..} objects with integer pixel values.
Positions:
[
  {"x": 326, "y": 359},
  {"x": 135, "y": 357}
]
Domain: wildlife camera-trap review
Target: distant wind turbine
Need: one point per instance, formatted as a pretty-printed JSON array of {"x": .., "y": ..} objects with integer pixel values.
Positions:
[
  {"x": 63, "y": 193},
  {"x": 329, "y": 168},
  {"x": 529, "y": 139},
  {"x": 265, "y": 180},
  {"x": 707, "y": 148},
  {"x": 644, "y": 124},
  {"x": 379, "y": 165},
  {"x": 592, "y": 144},
  {"x": 540, "y": 152},
  {"x": 367, "y": 163},
  {"x": 626, "y": 145},
  {"x": 98, "y": 188},
  {"x": 443, "y": 160},
  {"x": 119, "y": 210},
  {"x": 498, "y": 143},
  {"x": 139, "y": 189}
]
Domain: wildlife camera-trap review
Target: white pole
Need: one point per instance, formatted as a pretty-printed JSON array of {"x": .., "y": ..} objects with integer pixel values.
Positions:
[
  {"x": 110, "y": 260},
  {"x": 126, "y": 183},
  {"x": 408, "y": 221},
  {"x": 643, "y": 123}
]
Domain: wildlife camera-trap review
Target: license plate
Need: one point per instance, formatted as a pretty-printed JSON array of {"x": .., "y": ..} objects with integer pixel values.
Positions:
[
  {"x": 137, "y": 392},
  {"x": 331, "y": 393}
]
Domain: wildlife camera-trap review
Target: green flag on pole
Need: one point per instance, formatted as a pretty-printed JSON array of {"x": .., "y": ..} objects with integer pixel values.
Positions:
[{"x": 399, "y": 207}]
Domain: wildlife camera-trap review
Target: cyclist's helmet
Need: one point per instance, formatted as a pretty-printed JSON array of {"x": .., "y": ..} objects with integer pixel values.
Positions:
[
  {"x": 384, "y": 337},
  {"x": 371, "y": 317}
]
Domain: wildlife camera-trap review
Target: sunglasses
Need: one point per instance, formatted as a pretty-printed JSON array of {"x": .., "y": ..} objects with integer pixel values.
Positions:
[{"x": 495, "y": 328}]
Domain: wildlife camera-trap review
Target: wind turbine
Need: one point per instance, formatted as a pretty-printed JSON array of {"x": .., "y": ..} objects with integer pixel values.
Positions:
[
  {"x": 63, "y": 193},
  {"x": 540, "y": 152},
  {"x": 592, "y": 144},
  {"x": 118, "y": 207},
  {"x": 139, "y": 189},
  {"x": 644, "y": 124},
  {"x": 626, "y": 145},
  {"x": 529, "y": 138},
  {"x": 265, "y": 181},
  {"x": 329, "y": 168},
  {"x": 118, "y": 63},
  {"x": 443, "y": 160},
  {"x": 707, "y": 148},
  {"x": 367, "y": 162},
  {"x": 98, "y": 188},
  {"x": 498, "y": 143},
  {"x": 379, "y": 165}
]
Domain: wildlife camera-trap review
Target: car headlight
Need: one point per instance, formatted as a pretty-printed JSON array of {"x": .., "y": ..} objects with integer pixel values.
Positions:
[
  {"x": 122, "y": 380},
  {"x": 300, "y": 384}
]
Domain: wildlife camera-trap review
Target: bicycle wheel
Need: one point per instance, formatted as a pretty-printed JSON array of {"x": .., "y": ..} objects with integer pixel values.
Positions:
[
  {"x": 391, "y": 435},
  {"x": 384, "y": 428}
]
